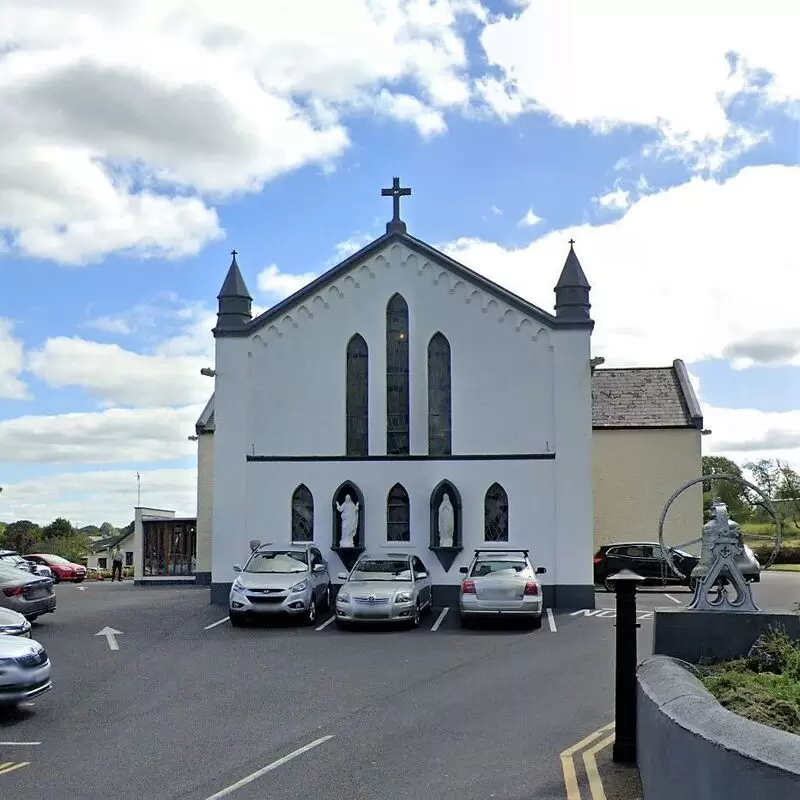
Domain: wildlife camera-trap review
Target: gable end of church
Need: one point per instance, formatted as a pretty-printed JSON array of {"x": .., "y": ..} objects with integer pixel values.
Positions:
[{"x": 318, "y": 291}]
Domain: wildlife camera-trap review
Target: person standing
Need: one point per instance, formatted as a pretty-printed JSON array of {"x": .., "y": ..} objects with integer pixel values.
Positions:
[{"x": 116, "y": 567}]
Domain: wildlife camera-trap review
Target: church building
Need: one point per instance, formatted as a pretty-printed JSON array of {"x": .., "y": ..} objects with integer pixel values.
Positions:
[{"x": 398, "y": 381}]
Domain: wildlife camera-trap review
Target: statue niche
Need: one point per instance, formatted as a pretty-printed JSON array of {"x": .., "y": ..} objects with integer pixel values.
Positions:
[
  {"x": 348, "y": 523},
  {"x": 446, "y": 540}
]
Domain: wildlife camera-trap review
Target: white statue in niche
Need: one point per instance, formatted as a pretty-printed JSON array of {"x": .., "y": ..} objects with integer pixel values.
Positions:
[
  {"x": 447, "y": 522},
  {"x": 349, "y": 514}
]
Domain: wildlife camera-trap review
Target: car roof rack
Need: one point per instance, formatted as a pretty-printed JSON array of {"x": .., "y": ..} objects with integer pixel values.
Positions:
[{"x": 501, "y": 550}]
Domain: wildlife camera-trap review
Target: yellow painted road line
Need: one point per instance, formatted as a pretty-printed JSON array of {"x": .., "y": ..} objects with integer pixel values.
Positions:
[
  {"x": 568, "y": 765},
  {"x": 590, "y": 765},
  {"x": 10, "y": 766}
]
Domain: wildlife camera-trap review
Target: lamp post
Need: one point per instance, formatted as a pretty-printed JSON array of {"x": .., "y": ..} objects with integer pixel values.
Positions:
[{"x": 625, "y": 583}]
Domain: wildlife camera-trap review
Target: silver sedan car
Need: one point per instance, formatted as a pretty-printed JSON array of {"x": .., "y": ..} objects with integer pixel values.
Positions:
[
  {"x": 13, "y": 623},
  {"x": 501, "y": 583},
  {"x": 384, "y": 588},
  {"x": 30, "y": 595},
  {"x": 24, "y": 670}
]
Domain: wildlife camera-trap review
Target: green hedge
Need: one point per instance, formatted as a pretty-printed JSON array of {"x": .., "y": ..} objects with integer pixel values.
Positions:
[{"x": 788, "y": 554}]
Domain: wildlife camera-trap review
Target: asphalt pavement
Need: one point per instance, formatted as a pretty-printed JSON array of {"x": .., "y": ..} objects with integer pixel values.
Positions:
[{"x": 188, "y": 709}]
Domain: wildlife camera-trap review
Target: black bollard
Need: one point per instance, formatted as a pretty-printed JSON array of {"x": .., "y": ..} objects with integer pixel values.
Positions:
[{"x": 625, "y": 583}]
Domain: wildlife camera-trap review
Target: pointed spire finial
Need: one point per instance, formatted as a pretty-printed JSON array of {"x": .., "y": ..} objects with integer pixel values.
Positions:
[
  {"x": 235, "y": 302},
  {"x": 572, "y": 289},
  {"x": 571, "y": 243}
]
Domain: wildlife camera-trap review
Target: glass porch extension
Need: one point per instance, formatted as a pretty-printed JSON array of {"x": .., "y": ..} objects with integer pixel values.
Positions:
[{"x": 169, "y": 547}]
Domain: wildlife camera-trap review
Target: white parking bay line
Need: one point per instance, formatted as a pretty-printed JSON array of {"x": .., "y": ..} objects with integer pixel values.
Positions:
[
  {"x": 551, "y": 620},
  {"x": 674, "y": 599},
  {"x": 326, "y": 623},
  {"x": 19, "y": 744},
  {"x": 269, "y": 768},
  {"x": 439, "y": 619},
  {"x": 214, "y": 624}
]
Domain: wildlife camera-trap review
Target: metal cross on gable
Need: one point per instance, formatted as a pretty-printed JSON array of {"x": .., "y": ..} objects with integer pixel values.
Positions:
[{"x": 396, "y": 192}]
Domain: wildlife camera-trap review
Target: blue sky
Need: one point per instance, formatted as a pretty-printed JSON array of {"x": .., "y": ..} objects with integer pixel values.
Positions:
[{"x": 128, "y": 182}]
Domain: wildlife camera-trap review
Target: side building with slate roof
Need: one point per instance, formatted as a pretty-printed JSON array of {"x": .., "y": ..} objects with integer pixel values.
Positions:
[{"x": 646, "y": 442}]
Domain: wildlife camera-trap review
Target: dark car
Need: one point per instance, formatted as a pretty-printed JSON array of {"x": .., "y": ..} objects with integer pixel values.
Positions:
[
  {"x": 648, "y": 560},
  {"x": 644, "y": 558}
]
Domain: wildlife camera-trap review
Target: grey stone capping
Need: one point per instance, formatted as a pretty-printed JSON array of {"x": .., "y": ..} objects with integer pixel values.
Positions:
[
  {"x": 690, "y": 398},
  {"x": 423, "y": 249},
  {"x": 205, "y": 422},
  {"x": 720, "y": 753}
]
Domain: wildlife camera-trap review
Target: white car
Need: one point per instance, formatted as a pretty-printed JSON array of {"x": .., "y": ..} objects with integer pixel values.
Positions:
[
  {"x": 12, "y": 623},
  {"x": 24, "y": 670}
]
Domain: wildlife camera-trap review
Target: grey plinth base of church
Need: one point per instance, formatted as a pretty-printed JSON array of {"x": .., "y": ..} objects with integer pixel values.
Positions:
[
  {"x": 402, "y": 403},
  {"x": 566, "y": 598}
]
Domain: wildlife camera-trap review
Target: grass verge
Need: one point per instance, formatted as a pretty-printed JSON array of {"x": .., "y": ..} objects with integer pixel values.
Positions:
[{"x": 764, "y": 686}]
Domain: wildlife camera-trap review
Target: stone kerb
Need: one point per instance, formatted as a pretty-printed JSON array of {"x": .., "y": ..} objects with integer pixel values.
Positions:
[{"x": 690, "y": 744}]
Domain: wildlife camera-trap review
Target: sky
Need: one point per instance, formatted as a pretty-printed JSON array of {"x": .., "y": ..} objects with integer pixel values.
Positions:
[{"x": 141, "y": 142}]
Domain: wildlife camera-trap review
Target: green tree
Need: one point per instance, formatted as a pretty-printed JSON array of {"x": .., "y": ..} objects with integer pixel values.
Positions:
[
  {"x": 107, "y": 529},
  {"x": 75, "y": 547},
  {"x": 780, "y": 483},
  {"x": 734, "y": 495},
  {"x": 59, "y": 528},
  {"x": 22, "y": 536}
]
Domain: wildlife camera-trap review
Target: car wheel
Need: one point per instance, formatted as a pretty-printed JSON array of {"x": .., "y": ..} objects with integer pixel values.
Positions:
[
  {"x": 342, "y": 625},
  {"x": 417, "y": 618},
  {"x": 56, "y": 578},
  {"x": 692, "y": 585},
  {"x": 78, "y": 580},
  {"x": 536, "y": 623},
  {"x": 311, "y": 614},
  {"x": 32, "y": 618},
  {"x": 326, "y": 603},
  {"x": 464, "y": 621},
  {"x": 236, "y": 620},
  {"x": 608, "y": 585}
]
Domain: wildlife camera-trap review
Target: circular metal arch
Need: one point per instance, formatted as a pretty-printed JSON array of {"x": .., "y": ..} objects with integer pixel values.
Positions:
[{"x": 768, "y": 505}]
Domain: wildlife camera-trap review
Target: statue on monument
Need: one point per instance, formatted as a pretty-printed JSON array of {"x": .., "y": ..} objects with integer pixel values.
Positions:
[
  {"x": 349, "y": 517},
  {"x": 446, "y": 522}
]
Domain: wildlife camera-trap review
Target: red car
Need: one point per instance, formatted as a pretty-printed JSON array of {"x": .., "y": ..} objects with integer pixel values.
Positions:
[{"x": 62, "y": 569}]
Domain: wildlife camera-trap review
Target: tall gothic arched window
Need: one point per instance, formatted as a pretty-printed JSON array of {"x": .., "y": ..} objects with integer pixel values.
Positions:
[
  {"x": 357, "y": 397},
  {"x": 495, "y": 514},
  {"x": 398, "y": 515},
  {"x": 440, "y": 437},
  {"x": 302, "y": 514},
  {"x": 397, "y": 392}
]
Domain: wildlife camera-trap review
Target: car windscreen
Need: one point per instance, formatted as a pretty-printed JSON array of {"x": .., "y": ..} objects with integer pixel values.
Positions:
[
  {"x": 62, "y": 562},
  {"x": 286, "y": 561},
  {"x": 502, "y": 568},
  {"x": 381, "y": 570}
]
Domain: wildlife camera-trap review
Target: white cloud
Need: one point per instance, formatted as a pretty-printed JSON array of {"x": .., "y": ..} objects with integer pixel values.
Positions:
[
  {"x": 617, "y": 200},
  {"x": 11, "y": 362},
  {"x": 103, "y": 150},
  {"x": 687, "y": 272},
  {"x": 748, "y": 434},
  {"x": 279, "y": 285},
  {"x": 90, "y": 498},
  {"x": 114, "y": 436},
  {"x": 662, "y": 65},
  {"x": 497, "y": 210},
  {"x": 120, "y": 377},
  {"x": 530, "y": 219}
]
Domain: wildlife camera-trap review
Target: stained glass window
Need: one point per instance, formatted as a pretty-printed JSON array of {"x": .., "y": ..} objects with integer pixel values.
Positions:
[
  {"x": 397, "y": 392},
  {"x": 357, "y": 401},
  {"x": 302, "y": 514},
  {"x": 398, "y": 516},
  {"x": 439, "y": 397},
  {"x": 495, "y": 514}
]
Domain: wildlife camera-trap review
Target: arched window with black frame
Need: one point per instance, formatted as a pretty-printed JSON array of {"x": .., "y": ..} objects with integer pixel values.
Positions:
[
  {"x": 398, "y": 515},
  {"x": 302, "y": 514},
  {"x": 440, "y": 436},
  {"x": 357, "y": 397},
  {"x": 495, "y": 514},
  {"x": 397, "y": 389}
]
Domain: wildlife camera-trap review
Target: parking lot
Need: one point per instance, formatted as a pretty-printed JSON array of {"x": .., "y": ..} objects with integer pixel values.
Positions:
[{"x": 156, "y": 696}]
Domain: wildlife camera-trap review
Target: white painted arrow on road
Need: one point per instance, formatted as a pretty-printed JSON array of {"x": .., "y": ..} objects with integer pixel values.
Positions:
[{"x": 111, "y": 636}]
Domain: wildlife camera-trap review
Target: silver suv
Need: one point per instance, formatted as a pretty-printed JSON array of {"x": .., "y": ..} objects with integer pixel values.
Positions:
[{"x": 277, "y": 580}]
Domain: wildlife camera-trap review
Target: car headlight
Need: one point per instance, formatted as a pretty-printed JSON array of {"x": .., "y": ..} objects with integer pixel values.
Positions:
[
  {"x": 402, "y": 597},
  {"x": 237, "y": 586},
  {"x": 343, "y": 597},
  {"x": 7, "y": 662},
  {"x": 298, "y": 587}
]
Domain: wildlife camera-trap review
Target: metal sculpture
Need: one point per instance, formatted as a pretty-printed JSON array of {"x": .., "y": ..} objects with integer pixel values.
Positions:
[{"x": 722, "y": 550}]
